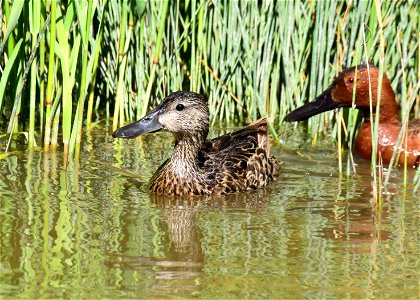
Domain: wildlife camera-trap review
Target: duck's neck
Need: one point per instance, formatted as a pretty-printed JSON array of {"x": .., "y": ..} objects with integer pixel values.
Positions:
[
  {"x": 183, "y": 161},
  {"x": 388, "y": 107}
]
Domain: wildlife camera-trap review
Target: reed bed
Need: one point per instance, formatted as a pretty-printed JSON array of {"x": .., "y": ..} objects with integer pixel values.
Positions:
[{"x": 117, "y": 59}]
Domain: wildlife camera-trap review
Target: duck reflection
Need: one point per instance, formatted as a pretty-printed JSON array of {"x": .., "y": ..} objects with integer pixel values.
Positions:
[
  {"x": 180, "y": 263},
  {"x": 358, "y": 226},
  {"x": 184, "y": 257},
  {"x": 357, "y": 220}
]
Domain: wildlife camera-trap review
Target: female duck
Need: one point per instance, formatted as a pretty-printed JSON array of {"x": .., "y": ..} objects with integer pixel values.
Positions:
[
  {"x": 340, "y": 94},
  {"x": 234, "y": 162}
]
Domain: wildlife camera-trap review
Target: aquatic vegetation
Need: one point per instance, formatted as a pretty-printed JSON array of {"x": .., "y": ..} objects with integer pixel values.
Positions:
[{"x": 65, "y": 64}]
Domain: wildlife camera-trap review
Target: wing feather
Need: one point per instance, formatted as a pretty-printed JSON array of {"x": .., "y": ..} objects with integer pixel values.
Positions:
[{"x": 239, "y": 159}]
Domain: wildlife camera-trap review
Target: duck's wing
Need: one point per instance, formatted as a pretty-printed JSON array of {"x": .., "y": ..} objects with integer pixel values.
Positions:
[
  {"x": 239, "y": 160},
  {"x": 257, "y": 131}
]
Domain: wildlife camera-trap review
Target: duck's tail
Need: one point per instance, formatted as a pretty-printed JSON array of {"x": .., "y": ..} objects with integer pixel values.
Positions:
[
  {"x": 274, "y": 165},
  {"x": 263, "y": 138}
]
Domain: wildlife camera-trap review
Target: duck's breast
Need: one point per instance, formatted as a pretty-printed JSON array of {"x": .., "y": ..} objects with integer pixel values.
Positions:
[{"x": 388, "y": 141}]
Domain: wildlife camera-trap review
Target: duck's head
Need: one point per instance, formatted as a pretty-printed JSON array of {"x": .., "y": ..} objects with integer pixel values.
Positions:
[
  {"x": 340, "y": 94},
  {"x": 182, "y": 113}
]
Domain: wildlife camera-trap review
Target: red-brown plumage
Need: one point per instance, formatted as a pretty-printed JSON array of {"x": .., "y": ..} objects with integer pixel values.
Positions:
[{"x": 340, "y": 94}]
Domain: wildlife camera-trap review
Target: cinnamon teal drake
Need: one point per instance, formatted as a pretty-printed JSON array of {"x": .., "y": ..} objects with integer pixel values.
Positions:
[
  {"x": 234, "y": 162},
  {"x": 340, "y": 94}
]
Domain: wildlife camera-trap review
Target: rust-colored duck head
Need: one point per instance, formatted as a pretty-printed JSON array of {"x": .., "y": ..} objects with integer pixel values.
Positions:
[
  {"x": 340, "y": 94},
  {"x": 362, "y": 81}
]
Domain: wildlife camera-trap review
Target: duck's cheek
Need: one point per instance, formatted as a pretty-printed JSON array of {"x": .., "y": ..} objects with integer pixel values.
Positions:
[
  {"x": 168, "y": 122},
  {"x": 340, "y": 93}
]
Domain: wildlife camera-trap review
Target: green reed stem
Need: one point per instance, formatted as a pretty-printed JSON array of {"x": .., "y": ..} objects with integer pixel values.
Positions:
[
  {"x": 50, "y": 79},
  {"x": 10, "y": 18},
  {"x": 139, "y": 77},
  {"x": 97, "y": 50},
  {"x": 82, "y": 96},
  {"x": 8, "y": 69},
  {"x": 378, "y": 98},
  {"x": 34, "y": 17},
  {"x": 23, "y": 78},
  {"x": 339, "y": 147},
  {"x": 42, "y": 78},
  {"x": 68, "y": 61},
  {"x": 122, "y": 60},
  {"x": 416, "y": 181},
  {"x": 146, "y": 99},
  {"x": 55, "y": 129}
]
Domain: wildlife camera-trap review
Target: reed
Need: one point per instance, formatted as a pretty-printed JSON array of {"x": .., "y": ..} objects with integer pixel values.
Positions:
[
  {"x": 417, "y": 182},
  {"x": 50, "y": 80},
  {"x": 34, "y": 24},
  {"x": 84, "y": 17},
  {"x": 249, "y": 58}
]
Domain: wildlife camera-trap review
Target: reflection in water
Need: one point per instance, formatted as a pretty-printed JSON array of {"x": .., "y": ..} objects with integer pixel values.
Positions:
[
  {"x": 183, "y": 259},
  {"x": 354, "y": 218},
  {"x": 92, "y": 231}
]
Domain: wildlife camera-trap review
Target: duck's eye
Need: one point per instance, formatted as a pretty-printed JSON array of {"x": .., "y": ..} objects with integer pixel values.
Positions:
[
  {"x": 180, "y": 107},
  {"x": 350, "y": 80}
]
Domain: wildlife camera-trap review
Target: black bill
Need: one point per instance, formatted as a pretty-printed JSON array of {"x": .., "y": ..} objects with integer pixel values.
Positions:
[
  {"x": 147, "y": 124},
  {"x": 323, "y": 102}
]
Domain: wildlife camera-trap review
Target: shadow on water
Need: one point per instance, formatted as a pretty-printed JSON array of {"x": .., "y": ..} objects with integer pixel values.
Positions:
[{"x": 93, "y": 231}]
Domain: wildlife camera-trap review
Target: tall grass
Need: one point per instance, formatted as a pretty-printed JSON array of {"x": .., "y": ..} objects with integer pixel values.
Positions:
[{"x": 249, "y": 58}]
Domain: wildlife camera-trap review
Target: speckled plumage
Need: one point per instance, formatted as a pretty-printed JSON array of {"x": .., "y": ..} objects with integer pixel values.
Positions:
[{"x": 234, "y": 162}]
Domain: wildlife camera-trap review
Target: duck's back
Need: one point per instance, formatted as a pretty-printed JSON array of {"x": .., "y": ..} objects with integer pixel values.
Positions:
[{"x": 240, "y": 160}]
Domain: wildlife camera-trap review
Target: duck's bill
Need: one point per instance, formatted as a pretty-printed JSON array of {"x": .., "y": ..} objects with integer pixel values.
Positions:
[
  {"x": 147, "y": 124},
  {"x": 323, "y": 102}
]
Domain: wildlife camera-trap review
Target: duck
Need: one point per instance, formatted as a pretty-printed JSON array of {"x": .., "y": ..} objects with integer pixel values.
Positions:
[
  {"x": 234, "y": 162},
  {"x": 340, "y": 94}
]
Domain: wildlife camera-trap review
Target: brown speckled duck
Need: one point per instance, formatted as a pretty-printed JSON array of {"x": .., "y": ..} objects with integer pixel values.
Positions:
[{"x": 234, "y": 162}]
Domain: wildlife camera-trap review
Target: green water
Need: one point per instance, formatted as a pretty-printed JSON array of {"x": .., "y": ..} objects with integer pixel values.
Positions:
[{"x": 92, "y": 231}]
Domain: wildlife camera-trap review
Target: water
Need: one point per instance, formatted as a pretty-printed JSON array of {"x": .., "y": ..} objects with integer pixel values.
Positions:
[{"x": 92, "y": 231}]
